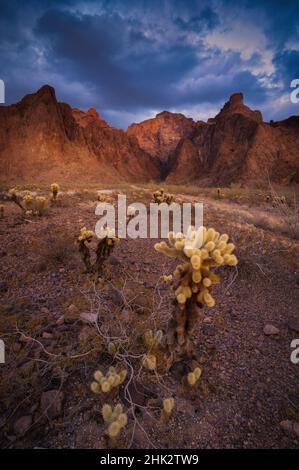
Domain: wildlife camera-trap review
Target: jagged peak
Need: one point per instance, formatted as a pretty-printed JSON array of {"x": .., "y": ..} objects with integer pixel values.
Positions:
[{"x": 235, "y": 105}]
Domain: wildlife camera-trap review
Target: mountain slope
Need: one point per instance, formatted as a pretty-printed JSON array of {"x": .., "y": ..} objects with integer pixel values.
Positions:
[{"x": 42, "y": 139}]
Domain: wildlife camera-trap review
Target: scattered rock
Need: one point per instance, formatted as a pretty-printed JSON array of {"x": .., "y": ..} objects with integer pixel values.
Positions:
[
  {"x": 208, "y": 320},
  {"x": 22, "y": 425},
  {"x": 47, "y": 335},
  {"x": 270, "y": 330},
  {"x": 113, "y": 261},
  {"x": 44, "y": 310},
  {"x": 117, "y": 297},
  {"x": 88, "y": 317},
  {"x": 60, "y": 320},
  {"x": 71, "y": 314},
  {"x": 51, "y": 403}
]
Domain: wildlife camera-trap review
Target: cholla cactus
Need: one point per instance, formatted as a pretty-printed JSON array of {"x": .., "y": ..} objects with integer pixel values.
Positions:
[
  {"x": 28, "y": 200},
  {"x": 168, "y": 405},
  {"x": 84, "y": 238},
  {"x": 105, "y": 246},
  {"x": 160, "y": 196},
  {"x": 152, "y": 340},
  {"x": 55, "y": 188},
  {"x": 116, "y": 419},
  {"x": 149, "y": 361},
  {"x": 105, "y": 383},
  {"x": 15, "y": 197},
  {"x": 40, "y": 204},
  {"x": 194, "y": 376},
  {"x": 1, "y": 211},
  {"x": 200, "y": 251}
]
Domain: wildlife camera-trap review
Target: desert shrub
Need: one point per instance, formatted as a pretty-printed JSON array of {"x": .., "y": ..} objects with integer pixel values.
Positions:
[{"x": 200, "y": 251}]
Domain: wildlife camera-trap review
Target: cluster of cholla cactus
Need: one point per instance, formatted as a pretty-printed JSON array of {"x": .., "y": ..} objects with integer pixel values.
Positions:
[
  {"x": 29, "y": 204},
  {"x": 194, "y": 376},
  {"x": 54, "y": 189},
  {"x": 168, "y": 406},
  {"x": 199, "y": 251},
  {"x": 104, "y": 248},
  {"x": 104, "y": 383},
  {"x": 160, "y": 196},
  {"x": 115, "y": 417}
]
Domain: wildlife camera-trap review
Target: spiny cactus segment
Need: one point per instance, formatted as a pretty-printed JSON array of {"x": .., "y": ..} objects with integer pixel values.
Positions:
[
  {"x": 149, "y": 361},
  {"x": 152, "y": 340},
  {"x": 115, "y": 417},
  {"x": 105, "y": 383},
  {"x": 200, "y": 251},
  {"x": 194, "y": 376}
]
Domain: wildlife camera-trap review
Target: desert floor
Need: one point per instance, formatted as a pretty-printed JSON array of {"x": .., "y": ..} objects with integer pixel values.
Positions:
[{"x": 248, "y": 385}]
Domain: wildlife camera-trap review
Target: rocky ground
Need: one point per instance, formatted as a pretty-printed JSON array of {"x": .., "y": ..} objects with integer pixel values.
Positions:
[{"x": 248, "y": 394}]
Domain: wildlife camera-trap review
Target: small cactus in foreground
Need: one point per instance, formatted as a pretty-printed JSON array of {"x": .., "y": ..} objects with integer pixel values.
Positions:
[
  {"x": 153, "y": 340},
  {"x": 40, "y": 204},
  {"x": 167, "y": 409},
  {"x": 105, "y": 383},
  {"x": 200, "y": 251},
  {"x": 55, "y": 188},
  {"x": 149, "y": 361},
  {"x": 194, "y": 376},
  {"x": 115, "y": 417}
]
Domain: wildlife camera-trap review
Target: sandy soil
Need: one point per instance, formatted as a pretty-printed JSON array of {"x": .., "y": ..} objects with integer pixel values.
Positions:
[{"x": 248, "y": 385}]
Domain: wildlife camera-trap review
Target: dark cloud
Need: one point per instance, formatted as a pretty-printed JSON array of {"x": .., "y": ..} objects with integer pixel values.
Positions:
[{"x": 131, "y": 58}]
